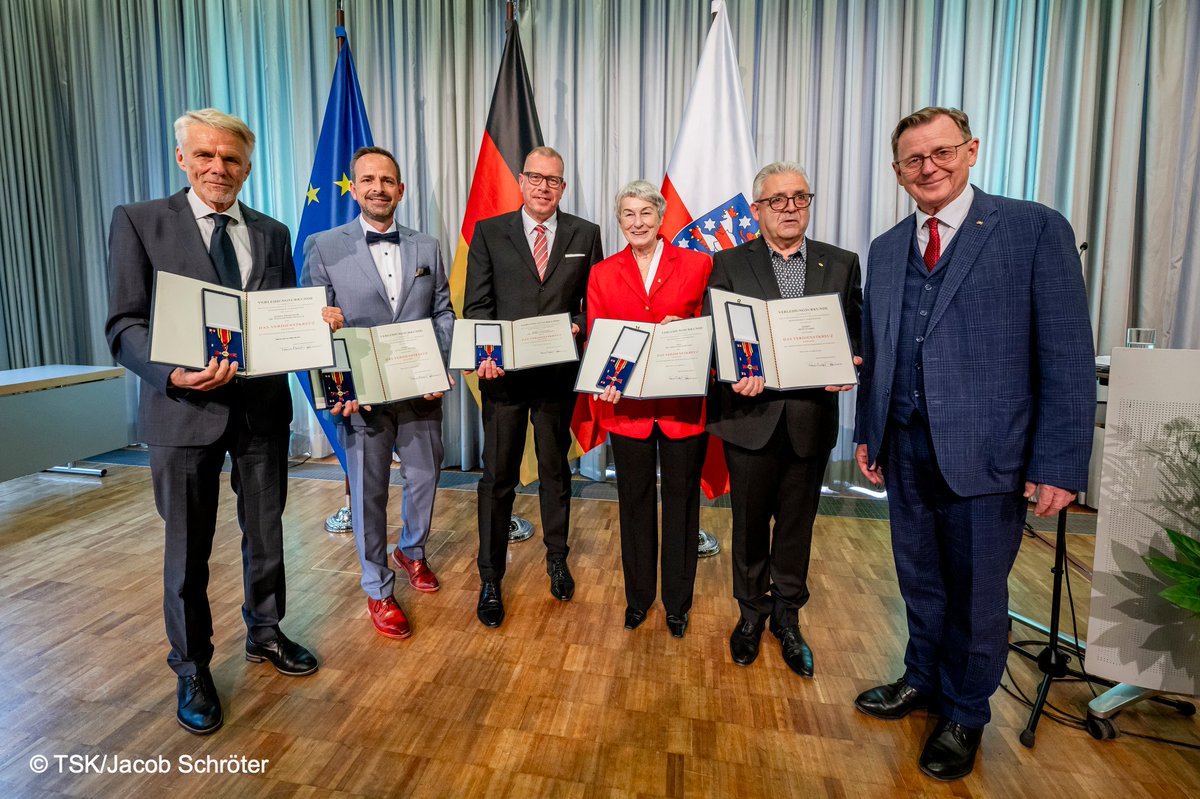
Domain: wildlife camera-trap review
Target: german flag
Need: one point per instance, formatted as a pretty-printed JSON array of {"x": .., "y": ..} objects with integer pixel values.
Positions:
[{"x": 512, "y": 131}]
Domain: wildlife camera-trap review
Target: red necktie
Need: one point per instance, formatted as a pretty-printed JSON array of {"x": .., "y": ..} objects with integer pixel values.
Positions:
[
  {"x": 933, "y": 249},
  {"x": 541, "y": 253}
]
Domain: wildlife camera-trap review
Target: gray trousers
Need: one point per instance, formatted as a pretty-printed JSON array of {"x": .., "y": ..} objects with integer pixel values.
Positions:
[{"x": 413, "y": 429}]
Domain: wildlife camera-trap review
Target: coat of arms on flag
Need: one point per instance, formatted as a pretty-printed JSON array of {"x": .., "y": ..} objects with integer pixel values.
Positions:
[{"x": 726, "y": 226}]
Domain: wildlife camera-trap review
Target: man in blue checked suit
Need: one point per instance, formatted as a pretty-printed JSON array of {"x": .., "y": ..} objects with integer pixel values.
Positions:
[
  {"x": 977, "y": 395},
  {"x": 378, "y": 273}
]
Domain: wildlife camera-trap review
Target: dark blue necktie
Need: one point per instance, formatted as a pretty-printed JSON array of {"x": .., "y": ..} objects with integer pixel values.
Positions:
[
  {"x": 220, "y": 249},
  {"x": 375, "y": 238}
]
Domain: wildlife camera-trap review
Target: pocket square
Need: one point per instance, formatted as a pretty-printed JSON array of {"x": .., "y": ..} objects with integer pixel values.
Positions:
[
  {"x": 422, "y": 271},
  {"x": 575, "y": 255}
]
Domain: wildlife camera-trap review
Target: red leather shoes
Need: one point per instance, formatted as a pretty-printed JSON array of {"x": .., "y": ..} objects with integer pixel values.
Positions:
[
  {"x": 420, "y": 576},
  {"x": 388, "y": 618}
]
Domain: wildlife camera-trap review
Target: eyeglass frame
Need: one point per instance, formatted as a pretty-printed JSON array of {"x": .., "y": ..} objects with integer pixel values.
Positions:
[
  {"x": 787, "y": 200},
  {"x": 920, "y": 165},
  {"x": 552, "y": 181}
]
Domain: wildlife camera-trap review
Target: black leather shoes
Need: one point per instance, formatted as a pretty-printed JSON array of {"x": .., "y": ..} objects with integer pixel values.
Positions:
[
  {"x": 891, "y": 702},
  {"x": 796, "y": 652},
  {"x": 743, "y": 644},
  {"x": 949, "y": 753},
  {"x": 491, "y": 608},
  {"x": 677, "y": 625},
  {"x": 634, "y": 618},
  {"x": 287, "y": 656},
  {"x": 562, "y": 585},
  {"x": 198, "y": 707}
]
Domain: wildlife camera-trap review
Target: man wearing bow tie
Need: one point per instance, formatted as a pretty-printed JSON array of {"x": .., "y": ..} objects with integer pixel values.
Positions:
[{"x": 378, "y": 272}]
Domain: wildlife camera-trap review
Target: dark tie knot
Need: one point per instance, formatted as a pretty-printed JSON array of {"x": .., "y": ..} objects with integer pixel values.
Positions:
[
  {"x": 374, "y": 238},
  {"x": 221, "y": 221}
]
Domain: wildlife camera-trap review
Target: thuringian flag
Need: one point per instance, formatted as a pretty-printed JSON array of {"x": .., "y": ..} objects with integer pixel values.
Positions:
[
  {"x": 512, "y": 131},
  {"x": 327, "y": 200},
  {"x": 709, "y": 177}
]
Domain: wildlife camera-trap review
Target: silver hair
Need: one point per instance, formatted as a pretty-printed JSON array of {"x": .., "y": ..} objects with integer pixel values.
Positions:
[
  {"x": 213, "y": 118},
  {"x": 642, "y": 190},
  {"x": 778, "y": 168}
]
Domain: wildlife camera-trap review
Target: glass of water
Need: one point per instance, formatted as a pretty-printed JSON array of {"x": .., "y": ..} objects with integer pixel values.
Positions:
[{"x": 1141, "y": 337}]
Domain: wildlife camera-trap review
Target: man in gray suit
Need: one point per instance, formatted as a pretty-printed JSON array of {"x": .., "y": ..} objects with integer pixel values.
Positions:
[
  {"x": 191, "y": 419},
  {"x": 377, "y": 273}
]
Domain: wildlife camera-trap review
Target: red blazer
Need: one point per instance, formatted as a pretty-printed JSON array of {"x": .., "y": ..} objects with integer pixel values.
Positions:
[{"x": 616, "y": 291}]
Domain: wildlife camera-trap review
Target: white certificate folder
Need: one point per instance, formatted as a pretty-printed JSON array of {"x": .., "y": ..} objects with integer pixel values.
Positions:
[
  {"x": 794, "y": 343},
  {"x": 512, "y": 345},
  {"x": 648, "y": 361},
  {"x": 266, "y": 332},
  {"x": 387, "y": 363}
]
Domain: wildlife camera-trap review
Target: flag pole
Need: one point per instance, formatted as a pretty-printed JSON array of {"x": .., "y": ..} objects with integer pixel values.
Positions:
[{"x": 342, "y": 521}]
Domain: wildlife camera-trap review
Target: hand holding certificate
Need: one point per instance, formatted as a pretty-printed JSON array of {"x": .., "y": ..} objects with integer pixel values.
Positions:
[
  {"x": 388, "y": 363},
  {"x": 790, "y": 344},
  {"x": 523, "y": 344},
  {"x": 265, "y": 332},
  {"x": 647, "y": 361}
]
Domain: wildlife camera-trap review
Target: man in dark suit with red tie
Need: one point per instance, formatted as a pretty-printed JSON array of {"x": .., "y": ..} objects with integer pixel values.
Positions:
[
  {"x": 777, "y": 443},
  {"x": 191, "y": 419},
  {"x": 977, "y": 393},
  {"x": 530, "y": 262}
]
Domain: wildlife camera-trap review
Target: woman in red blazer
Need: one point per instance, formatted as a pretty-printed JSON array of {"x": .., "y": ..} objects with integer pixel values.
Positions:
[{"x": 652, "y": 280}]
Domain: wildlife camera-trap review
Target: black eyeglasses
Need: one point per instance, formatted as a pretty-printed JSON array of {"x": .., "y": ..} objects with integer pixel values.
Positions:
[
  {"x": 536, "y": 178},
  {"x": 780, "y": 202},
  {"x": 943, "y": 156}
]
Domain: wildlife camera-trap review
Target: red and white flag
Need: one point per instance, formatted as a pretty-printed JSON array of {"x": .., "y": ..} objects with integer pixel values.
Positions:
[
  {"x": 709, "y": 178},
  {"x": 708, "y": 181}
]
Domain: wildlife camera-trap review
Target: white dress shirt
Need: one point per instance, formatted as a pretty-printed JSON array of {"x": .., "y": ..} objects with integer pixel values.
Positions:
[
  {"x": 239, "y": 234},
  {"x": 653, "y": 269},
  {"x": 387, "y": 262},
  {"x": 531, "y": 235},
  {"x": 950, "y": 219}
]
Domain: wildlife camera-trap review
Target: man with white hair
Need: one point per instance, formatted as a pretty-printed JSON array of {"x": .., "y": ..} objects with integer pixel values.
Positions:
[
  {"x": 191, "y": 419},
  {"x": 778, "y": 442}
]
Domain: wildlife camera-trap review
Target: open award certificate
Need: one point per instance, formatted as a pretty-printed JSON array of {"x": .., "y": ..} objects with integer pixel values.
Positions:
[
  {"x": 382, "y": 364},
  {"x": 520, "y": 344},
  {"x": 266, "y": 332},
  {"x": 647, "y": 361},
  {"x": 795, "y": 343}
]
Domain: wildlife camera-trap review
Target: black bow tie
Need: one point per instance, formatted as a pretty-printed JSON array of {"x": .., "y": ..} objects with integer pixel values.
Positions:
[{"x": 375, "y": 238}]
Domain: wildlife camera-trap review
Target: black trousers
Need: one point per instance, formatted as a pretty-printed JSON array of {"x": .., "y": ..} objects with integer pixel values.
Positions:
[
  {"x": 637, "y": 460},
  {"x": 770, "y": 565},
  {"x": 186, "y": 489},
  {"x": 504, "y": 425}
]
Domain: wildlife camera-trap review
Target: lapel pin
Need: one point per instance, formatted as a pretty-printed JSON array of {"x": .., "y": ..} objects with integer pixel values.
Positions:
[
  {"x": 820, "y": 265},
  {"x": 979, "y": 221}
]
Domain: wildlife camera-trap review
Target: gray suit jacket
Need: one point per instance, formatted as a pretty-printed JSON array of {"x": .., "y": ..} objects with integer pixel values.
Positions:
[
  {"x": 812, "y": 413},
  {"x": 339, "y": 260},
  {"x": 162, "y": 235}
]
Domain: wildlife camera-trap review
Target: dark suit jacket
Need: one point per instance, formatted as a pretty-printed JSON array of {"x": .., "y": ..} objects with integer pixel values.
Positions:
[
  {"x": 1008, "y": 365},
  {"x": 616, "y": 291},
  {"x": 162, "y": 235},
  {"x": 502, "y": 283},
  {"x": 811, "y": 414}
]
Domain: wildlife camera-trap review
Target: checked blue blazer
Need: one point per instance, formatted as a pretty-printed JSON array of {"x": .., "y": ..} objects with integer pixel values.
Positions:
[{"x": 1008, "y": 358}]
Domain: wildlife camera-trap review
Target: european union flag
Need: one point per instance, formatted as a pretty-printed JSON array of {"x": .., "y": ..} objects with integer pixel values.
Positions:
[{"x": 327, "y": 200}]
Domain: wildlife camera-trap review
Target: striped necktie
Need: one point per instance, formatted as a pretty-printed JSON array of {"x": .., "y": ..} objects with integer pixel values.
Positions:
[{"x": 541, "y": 252}]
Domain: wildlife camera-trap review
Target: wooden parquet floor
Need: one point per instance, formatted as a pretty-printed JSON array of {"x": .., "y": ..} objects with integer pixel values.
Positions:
[{"x": 559, "y": 702}]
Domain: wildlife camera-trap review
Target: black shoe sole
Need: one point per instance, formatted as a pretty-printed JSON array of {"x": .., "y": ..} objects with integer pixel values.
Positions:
[
  {"x": 489, "y": 624},
  {"x": 893, "y": 717},
  {"x": 945, "y": 777},
  {"x": 199, "y": 731},
  {"x": 260, "y": 658}
]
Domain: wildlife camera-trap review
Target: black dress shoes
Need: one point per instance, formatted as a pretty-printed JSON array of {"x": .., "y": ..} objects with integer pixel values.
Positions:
[
  {"x": 491, "y": 608},
  {"x": 677, "y": 625},
  {"x": 562, "y": 585},
  {"x": 198, "y": 708},
  {"x": 287, "y": 656},
  {"x": 949, "y": 753},
  {"x": 891, "y": 702},
  {"x": 796, "y": 652},
  {"x": 634, "y": 618},
  {"x": 743, "y": 644}
]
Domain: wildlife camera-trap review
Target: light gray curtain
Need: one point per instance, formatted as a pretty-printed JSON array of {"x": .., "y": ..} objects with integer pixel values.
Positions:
[{"x": 1088, "y": 107}]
